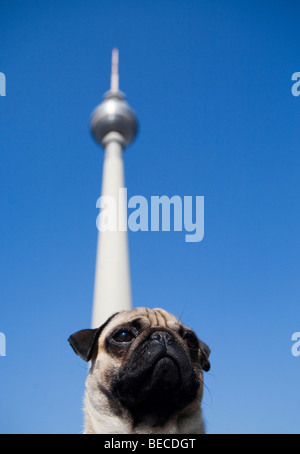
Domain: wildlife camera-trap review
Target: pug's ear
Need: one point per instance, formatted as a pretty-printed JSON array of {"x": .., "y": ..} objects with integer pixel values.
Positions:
[
  {"x": 204, "y": 355},
  {"x": 84, "y": 341}
]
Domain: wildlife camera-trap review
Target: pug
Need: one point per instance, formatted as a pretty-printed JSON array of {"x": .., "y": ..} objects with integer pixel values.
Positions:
[{"x": 145, "y": 376}]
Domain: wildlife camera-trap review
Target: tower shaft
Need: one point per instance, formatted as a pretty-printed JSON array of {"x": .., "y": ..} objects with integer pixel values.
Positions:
[{"x": 112, "y": 291}]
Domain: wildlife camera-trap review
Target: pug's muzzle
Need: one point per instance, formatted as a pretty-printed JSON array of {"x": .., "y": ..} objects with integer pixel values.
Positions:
[{"x": 157, "y": 377}]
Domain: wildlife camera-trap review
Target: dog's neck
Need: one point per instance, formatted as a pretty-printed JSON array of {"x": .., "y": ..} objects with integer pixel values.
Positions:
[{"x": 100, "y": 421}]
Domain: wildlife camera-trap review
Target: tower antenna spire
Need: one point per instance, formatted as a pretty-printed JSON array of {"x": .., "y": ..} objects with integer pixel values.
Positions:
[{"x": 114, "y": 79}]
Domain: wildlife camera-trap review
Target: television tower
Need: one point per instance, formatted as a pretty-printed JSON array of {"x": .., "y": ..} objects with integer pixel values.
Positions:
[{"x": 114, "y": 126}]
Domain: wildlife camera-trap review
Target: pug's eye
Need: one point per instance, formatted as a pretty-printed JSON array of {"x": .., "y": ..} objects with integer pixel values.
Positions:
[
  {"x": 123, "y": 336},
  {"x": 191, "y": 341}
]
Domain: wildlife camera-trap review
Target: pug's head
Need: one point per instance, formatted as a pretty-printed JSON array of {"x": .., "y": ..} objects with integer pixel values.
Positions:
[{"x": 145, "y": 362}]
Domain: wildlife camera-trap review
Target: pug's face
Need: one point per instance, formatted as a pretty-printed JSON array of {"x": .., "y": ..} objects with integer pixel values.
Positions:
[{"x": 145, "y": 361}]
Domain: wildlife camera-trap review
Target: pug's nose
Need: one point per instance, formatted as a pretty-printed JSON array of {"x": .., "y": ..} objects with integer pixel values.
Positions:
[{"x": 163, "y": 337}]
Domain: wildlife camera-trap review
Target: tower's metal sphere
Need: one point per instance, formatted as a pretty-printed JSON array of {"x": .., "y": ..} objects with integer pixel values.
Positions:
[{"x": 114, "y": 115}]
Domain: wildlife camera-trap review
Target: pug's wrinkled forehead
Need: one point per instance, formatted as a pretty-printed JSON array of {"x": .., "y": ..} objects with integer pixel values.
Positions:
[{"x": 145, "y": 318}]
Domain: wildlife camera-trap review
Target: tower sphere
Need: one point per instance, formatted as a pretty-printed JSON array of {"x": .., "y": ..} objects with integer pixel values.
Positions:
[{"x": 114, "y": 115}]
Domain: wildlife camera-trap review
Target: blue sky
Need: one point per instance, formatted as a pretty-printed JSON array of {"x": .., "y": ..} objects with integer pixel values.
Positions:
[{"x": 211, "y": 84}]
